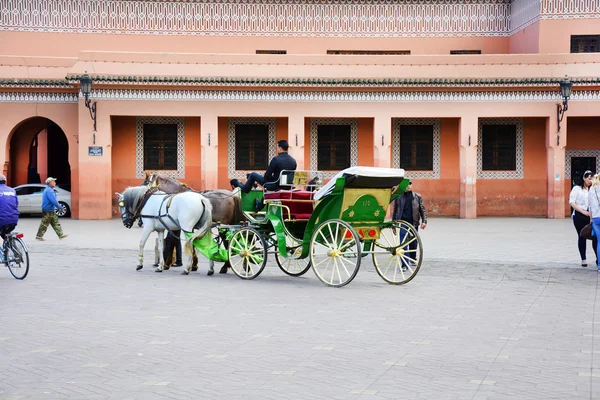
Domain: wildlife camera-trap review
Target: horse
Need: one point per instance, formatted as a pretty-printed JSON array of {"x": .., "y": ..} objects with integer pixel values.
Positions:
[
  {"x": 189, "y": 212},
  {"x": 226, "y": 205}
]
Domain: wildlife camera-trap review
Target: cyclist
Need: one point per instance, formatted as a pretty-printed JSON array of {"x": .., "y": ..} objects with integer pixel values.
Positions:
[{"x": 9, "y": 208}]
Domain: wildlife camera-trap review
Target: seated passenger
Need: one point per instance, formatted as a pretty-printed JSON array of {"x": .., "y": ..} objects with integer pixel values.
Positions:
[{"x": 270, "y": 181}]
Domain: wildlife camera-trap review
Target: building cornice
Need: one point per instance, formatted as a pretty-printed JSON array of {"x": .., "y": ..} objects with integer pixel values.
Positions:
[{"x": 330, "y": 82}]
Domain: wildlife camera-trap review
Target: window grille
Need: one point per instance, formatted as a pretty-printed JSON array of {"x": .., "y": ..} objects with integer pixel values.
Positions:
[
  {"x": 333, "y": 152},
  {"x": 416, "y": 147},
  {"x": 271, "y": 51},
  {"x": 465, "y": 51},
  {"x": 160, "y": 146},
  {"x": 370, "y": 52},
  {"x": 499, "y": 147},
  {"x": 251, "y": 147},
  {"x": 585, "y": 44}
]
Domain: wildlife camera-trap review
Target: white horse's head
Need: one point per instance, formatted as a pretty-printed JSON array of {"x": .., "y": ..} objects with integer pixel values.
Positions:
[{"x": 128, "y": 202}]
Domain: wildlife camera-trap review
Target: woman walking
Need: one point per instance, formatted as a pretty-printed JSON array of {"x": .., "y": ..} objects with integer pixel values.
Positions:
[
  {"x": 579, "y": 200},
  {"x": 594, "y": 202}
]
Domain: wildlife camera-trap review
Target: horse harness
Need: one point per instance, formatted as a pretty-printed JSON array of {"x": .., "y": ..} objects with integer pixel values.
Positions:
[{"x": 168, "y": 199}]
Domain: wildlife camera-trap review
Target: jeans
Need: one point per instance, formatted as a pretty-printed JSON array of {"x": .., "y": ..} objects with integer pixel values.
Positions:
[
  {"x": 411, "y": 246},
  {"x": 258, "y": 178},
  {"x": 580, "y": 220},
  {"x": 596, "y": 228}
]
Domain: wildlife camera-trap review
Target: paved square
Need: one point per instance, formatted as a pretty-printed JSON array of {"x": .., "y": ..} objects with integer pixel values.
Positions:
[{"x": 500, "y": 309}]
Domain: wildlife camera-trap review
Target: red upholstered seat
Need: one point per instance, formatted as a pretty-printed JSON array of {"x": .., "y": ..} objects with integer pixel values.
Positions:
[{"x": 298, "y": 209}]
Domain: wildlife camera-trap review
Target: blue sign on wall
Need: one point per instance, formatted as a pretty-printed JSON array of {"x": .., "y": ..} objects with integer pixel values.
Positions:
[{"x": 95, "y": 150}]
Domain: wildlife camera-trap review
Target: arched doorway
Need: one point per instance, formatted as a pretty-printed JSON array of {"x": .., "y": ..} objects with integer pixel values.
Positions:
[{"x": 39, "y": 149}]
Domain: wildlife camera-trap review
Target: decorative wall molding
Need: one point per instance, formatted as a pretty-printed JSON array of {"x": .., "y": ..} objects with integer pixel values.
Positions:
[
  {"x": 579, "y": 153},
  {"x": 338, "y": 96},
  {"x": 570, "y": 9},
  {"x": 139, "y": 145},
  {"x": 314, "y": 141},
  {"x": 270, "y": 122},
  {"x": 524, "y": 13},
  {"x": 38, "y": 97},
  {"x": 518, "y": 173},
  {"x": 396, "y": 124},
  {"x": 356, "y": 18}
]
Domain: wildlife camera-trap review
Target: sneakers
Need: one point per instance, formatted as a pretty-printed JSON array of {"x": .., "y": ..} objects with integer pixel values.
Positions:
[
  {"x": 63, "y": 236},
  {"x": 41, "y": 239}
]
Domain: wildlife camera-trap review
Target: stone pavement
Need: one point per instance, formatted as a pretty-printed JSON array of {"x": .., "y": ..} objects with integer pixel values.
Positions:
[{"x": 500, "y": 309}]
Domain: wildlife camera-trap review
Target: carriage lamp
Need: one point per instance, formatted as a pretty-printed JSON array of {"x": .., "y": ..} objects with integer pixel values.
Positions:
[
  {"x": 566, "y": 88},
  {"x": 86, "y": 89}
]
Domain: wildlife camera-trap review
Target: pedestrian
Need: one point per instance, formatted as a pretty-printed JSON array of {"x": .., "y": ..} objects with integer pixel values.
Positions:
[
  {"x": 49, "y": 206},
  {"x": 409, "y": 208},
  {"x": 594, "y": 203},
  {"x": 579, "y": 200},
  {"x": 9, "y": 208}
]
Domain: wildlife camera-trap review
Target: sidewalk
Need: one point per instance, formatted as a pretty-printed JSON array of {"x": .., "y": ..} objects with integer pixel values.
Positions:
[{"x": 507, "y": 240}]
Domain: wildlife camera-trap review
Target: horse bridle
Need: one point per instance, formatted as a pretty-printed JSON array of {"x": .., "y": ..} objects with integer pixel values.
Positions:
[{"x": 127, "y": 216}]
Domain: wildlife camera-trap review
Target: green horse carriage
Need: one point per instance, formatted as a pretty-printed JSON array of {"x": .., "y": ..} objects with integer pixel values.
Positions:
[{"x": 331, "y": 229}]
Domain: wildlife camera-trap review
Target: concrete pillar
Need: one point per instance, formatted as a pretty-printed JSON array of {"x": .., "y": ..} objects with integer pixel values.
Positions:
[
  {"x": 382, "y": 141},
  {"x": 296, "y": 140},
  {"x": 209, "y": 142},
  {"x": 95, "y": 171},
  {"x": 555, "y": 162},
  {"x": 467, "y": 142}
]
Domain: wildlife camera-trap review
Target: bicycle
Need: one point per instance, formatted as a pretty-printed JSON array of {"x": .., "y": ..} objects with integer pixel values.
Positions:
[{"x": 15, "y": 255}]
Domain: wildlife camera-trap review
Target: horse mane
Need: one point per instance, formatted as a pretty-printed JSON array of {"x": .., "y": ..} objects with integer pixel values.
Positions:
[{"x": 133, "y": 195}]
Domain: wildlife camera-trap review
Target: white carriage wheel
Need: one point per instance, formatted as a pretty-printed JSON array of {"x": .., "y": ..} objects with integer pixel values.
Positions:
[
  {"x": 398, "y": 253},
  {"x": 293, "y": 265},
  {"x": 247, "y": 253},
  {"x": 335, "y": 252}
]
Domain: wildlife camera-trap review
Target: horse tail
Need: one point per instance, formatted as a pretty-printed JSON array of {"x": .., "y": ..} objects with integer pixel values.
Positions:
[{"x": 203, "y": 225}]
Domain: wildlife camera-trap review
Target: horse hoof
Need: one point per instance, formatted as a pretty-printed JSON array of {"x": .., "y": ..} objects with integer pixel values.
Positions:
[
  {"x": 210, "y": 272},
  {"x": 158, "y": 270},
  {"x": 194, "y": 268},
  {"x": 166, "y": 268},
  {"x": 223, "y": 270},
  {"x": 184, "y": 272},
  {"x": 139, "y": 267}
]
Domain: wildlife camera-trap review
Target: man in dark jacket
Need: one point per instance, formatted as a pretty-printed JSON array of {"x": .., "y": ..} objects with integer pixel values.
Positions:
[
  {"x": 270, "y": 181},
  {"x": 409, "y": 207},
  {"x": 9, "y": 207}
]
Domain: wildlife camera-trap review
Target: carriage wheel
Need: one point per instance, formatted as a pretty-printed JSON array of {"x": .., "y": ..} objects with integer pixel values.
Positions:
[
  {"x": 335, "y": 253},
  {"x": 293, "y": 265},
  {"x": 398, "y": 253},
  {"x": 247, "y": 253}
]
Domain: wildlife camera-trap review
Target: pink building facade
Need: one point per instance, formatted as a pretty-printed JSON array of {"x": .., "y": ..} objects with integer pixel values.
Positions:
[{"x": 461, "y": 94}]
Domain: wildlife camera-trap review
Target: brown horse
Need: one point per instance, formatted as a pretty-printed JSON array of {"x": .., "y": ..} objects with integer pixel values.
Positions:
[{"x": 227, "y": 208}]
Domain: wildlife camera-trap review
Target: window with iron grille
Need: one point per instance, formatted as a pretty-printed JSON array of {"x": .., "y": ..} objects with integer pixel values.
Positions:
[
  {"x": 160, "y": 146},
  {"x": 465, "y": 51},
  {"x": 370, "y": 52},
  {"x": 499, "y": 147},
  {"x": 585, "y": 44},
  {"x": 333, "y": 152},
  {"x": 271, "y": 51},
  {"x": 416, "y": 147},
  {"x": 251, "y": 147}
]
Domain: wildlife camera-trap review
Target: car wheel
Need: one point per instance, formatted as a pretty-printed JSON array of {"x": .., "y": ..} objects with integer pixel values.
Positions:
[{"x": 65, "y": 211}]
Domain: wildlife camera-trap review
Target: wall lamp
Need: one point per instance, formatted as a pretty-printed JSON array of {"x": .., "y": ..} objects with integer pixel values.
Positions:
[
  {"x": 566, "y": 88},
  {"x": 86, "y": 89}
]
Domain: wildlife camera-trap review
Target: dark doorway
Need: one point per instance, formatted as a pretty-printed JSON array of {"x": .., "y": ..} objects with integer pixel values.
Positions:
[
  {"x": 58, "y": 156},
  {"x": 578, "y": 166}
]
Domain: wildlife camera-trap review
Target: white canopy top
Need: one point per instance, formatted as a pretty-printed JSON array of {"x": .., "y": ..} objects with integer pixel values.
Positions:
[{"x": 361, "y": 171}]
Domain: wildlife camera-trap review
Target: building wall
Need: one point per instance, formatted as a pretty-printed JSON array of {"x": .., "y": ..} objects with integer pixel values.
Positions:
[
  {"x": 555, "y": 35},
  {"x": 519, "y": 197},
  {"x": 526, "y": 40}
]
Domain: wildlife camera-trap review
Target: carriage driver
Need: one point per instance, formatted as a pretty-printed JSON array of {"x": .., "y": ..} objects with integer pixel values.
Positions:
[
  {"x": 9, "y": 207},
  {"x": 283, "y": 161}
]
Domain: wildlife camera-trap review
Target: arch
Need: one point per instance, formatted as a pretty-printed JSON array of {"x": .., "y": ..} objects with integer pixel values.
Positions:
[{"x": 37, "y": 147}]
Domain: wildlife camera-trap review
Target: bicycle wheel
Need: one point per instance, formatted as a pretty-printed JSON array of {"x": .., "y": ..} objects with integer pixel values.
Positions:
[{"x": 17, "y": 259}]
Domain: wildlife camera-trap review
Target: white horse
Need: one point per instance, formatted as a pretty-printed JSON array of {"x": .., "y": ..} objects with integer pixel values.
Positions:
[{"x": 186, "y": 211}]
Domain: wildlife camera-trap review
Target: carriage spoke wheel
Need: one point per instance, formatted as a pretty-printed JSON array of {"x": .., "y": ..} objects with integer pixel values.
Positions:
[
  {"x": 335, "y": 253},
  {"x": 247, "y": 253},
  {"x": 398, "y": 253},
  {"x": 293, "y": 265}
]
